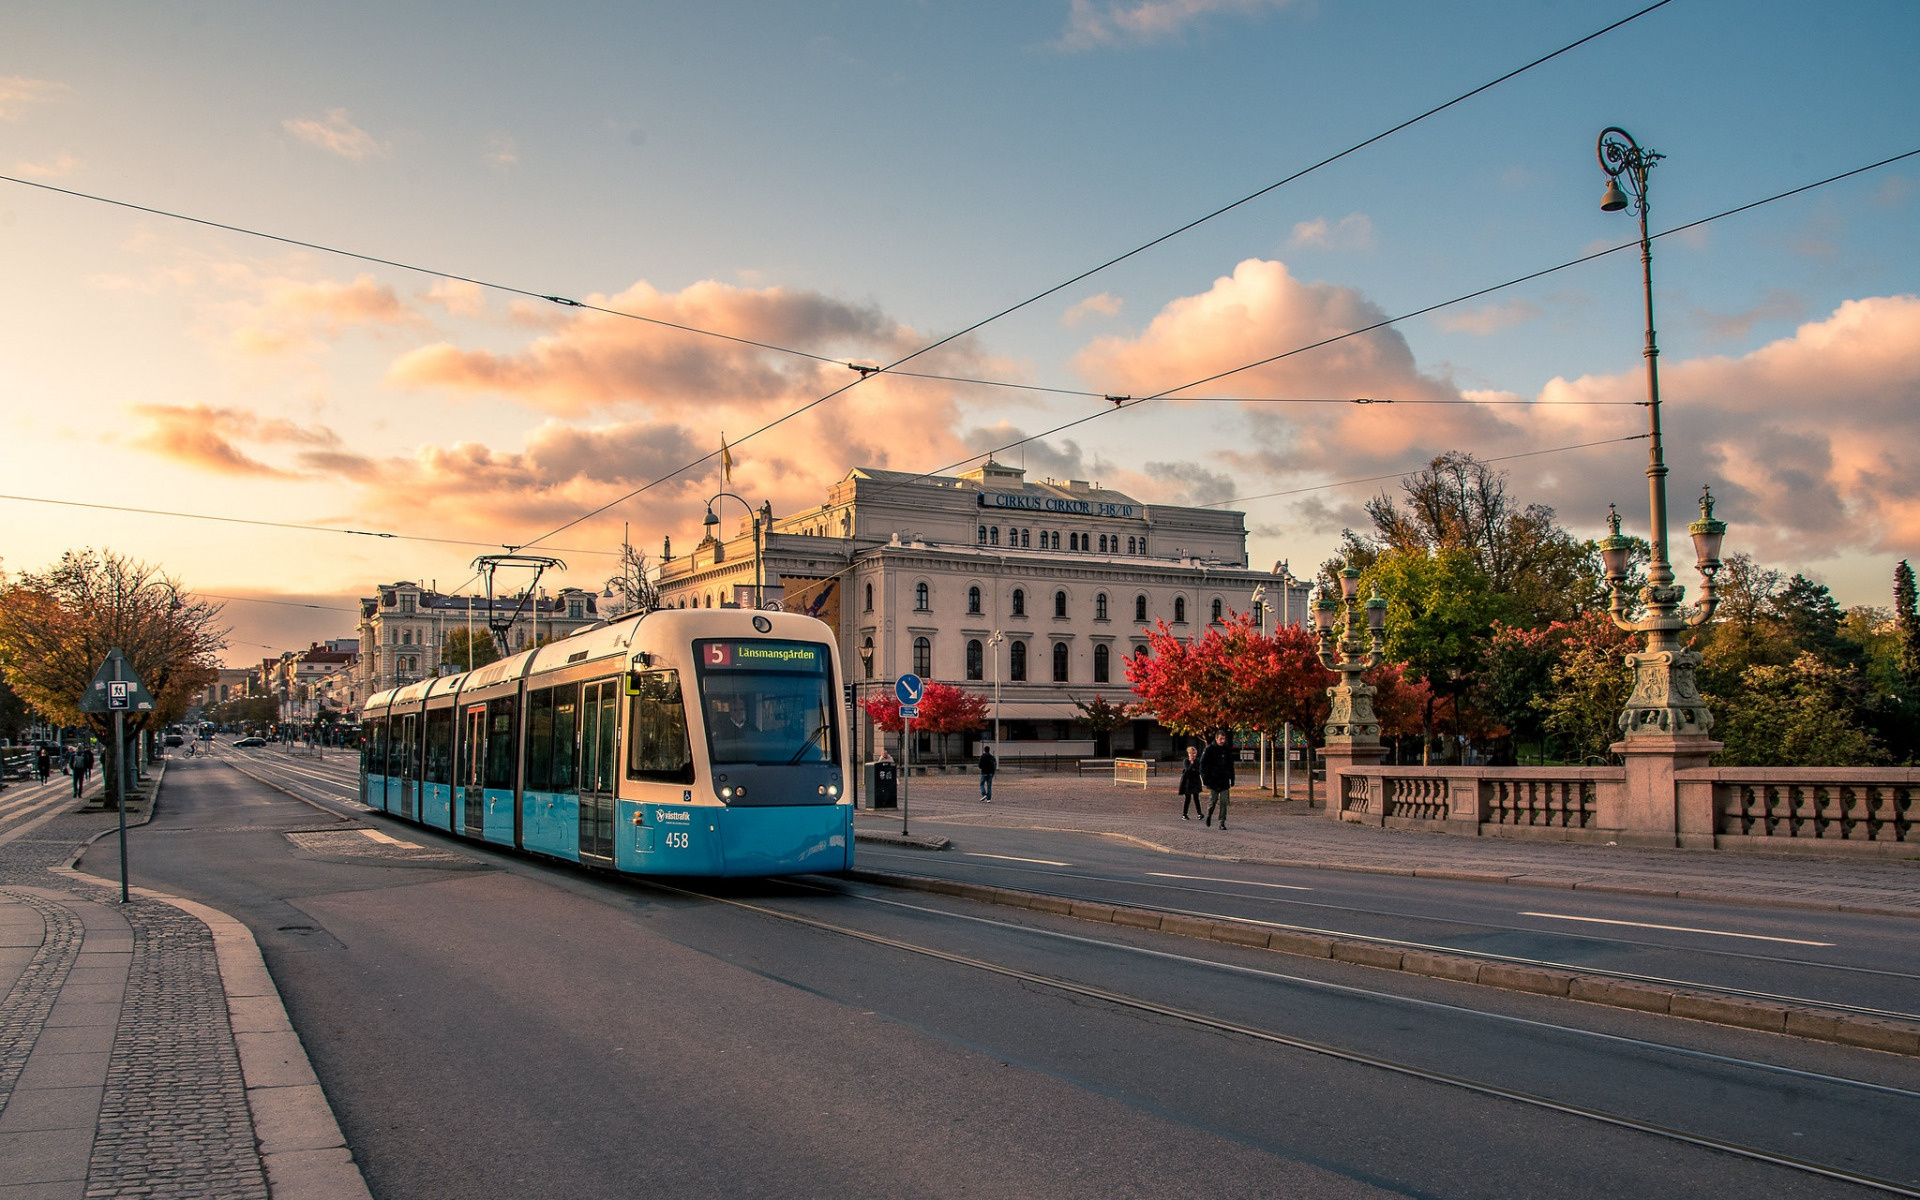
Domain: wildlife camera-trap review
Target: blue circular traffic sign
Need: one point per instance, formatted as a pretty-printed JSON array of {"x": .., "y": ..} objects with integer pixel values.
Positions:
[{"x": 908, "y": 688}]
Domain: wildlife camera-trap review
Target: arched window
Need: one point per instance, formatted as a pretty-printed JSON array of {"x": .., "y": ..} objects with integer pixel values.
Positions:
[
  {"x": 1059, "y": 662},
  {"x": 920, "y": 597},
  {"x": 1019, "y": 602},
  {"x": 1059, "y": 604},
  {"x": 1130, "y": 543},
  {"x": 1139, "y": 608},
  {"x": 973, "y": 600},
  {"x": 976, "y": 659},
  {"x": 1017, "y": 661},
  {"x": 1259, "y": 614},
  {"x": 983, "y": 535},
  {"x": 1026, "y": 538},
  {"x": 1143, "y": 545},
  {"x": 1101, "y": 656},
  {"x": 1179, "y": 610},
  {"x": 1140, "y": 651},
  {"x": 1056, "y": 539},
  {"x": 1103, "y": 543},
  {"x": 1100, "y": 607},
  {"x": 1216, "y": 610},
  {"x": 866, "y": 657},
  {"x": 993, "y": 535},
  {"x": 922, "y": 657},
  {"x": 869, "y": 597}
]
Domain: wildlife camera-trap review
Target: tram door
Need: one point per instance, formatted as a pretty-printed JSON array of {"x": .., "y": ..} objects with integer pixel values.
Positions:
[
  {"x": 599, "y": 710},
  {"x": 473, "y": 769},
  {"x": 409, "y": 762}
]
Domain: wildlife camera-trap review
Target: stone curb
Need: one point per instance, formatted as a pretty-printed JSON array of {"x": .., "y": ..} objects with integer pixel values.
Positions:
[
  {"x": 906, "y": 841},
  {"x": 303, "y": 1152},
  {"x": 1846, "y": 1029}
]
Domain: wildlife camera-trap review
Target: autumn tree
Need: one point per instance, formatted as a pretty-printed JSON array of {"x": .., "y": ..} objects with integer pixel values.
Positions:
[
  {"x": 56, "y": 629},
  {"x": 1102, "y": 717},
  {"x": 1588, "y": 686},
  {"x": 944, "y": 710}
]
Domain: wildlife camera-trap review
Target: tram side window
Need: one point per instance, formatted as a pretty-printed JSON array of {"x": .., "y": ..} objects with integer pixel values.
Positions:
[
  {"x": 373, "y": 748},
  {"x": 540, "y": 741},
  {"x": 658, "y": 747},
  {"x": 566, "y": 721},
  {"x": 500, "y": 738},
  {"x": 440, "y": 746}
]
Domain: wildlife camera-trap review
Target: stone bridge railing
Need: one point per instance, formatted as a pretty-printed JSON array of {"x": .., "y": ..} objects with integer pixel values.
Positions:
[{"x": 1786, "y": 808}]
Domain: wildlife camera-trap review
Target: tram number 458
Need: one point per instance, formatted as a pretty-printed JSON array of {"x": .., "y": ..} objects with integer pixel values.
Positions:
[{"x": 676, "y": 839}]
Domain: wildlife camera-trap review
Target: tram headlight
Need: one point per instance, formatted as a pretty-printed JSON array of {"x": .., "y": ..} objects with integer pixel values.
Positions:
[
  {"x": 833, "y": 789},
  {"x": 726, "y": 793}
]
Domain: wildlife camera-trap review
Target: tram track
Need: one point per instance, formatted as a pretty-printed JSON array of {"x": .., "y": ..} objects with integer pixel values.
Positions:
[
  {"x": 1188, "y": 1016},
  {"x": 1407, "y": 944}
]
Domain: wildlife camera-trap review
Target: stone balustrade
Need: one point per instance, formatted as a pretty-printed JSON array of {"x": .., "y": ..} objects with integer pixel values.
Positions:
[{"x": 1867, "y": 810}]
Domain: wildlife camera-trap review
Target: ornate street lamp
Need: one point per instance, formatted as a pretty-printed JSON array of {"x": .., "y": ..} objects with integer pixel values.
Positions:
[
  {"x": 711, "y": 524},
  {"x": 1666, "y": 701},
  {"x": 1351, "y": 723}
]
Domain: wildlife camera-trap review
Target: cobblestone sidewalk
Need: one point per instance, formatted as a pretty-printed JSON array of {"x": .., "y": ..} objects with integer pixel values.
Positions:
[
  {"x": 120, "y": 1071},
  {"x": 1288, "y": 833}
]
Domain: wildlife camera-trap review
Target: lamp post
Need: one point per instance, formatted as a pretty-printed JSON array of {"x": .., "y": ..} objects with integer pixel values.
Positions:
[
  {"x": 1666, "y": 702},
  {"x": 993, "y": 648},
  {"x": 711, "y": 524},
  {"x": 1353, "y": 731},
  {"x": 1260, "y": 623}
]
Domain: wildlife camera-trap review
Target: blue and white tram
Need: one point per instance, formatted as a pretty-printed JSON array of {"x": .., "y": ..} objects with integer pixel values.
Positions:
[{"x": 678, "y": 742}]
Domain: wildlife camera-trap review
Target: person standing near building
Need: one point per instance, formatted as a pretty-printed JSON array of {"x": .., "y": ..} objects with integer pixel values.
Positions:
[
  {"x": 988, "y": 765},
  {"x": 1216, "y": 771},
  {"x": 1190, "y": 785}
]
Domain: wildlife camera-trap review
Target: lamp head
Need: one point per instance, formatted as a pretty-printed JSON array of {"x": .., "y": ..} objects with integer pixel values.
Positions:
[
  {"x": 1615, "y": 199},
  {"x": 1614, "y": 549},
  {"x": 1324, "y": 608},
  {"x": 1377, "y": 612},
  {"x": 1349, "y": 582},
  {"x": 1707, "y": 533},
  {"x": 710, "y": 521}
]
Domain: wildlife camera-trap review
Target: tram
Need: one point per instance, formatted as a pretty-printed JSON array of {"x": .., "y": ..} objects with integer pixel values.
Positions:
[{"x": 675, "y": 742}]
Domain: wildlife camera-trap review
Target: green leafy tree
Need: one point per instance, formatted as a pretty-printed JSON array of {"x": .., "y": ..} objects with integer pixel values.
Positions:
[
  {"x": 1515, "y": 674},
  {"x": 1440, "y": 610},
  {"x": 1102, "y": 717},
  {"x": 1806, "y": 713},
  {"x": 1906, "y": 616},
  {"x": 469, "y": 651},
  {"x": 1589, "y": 685}
]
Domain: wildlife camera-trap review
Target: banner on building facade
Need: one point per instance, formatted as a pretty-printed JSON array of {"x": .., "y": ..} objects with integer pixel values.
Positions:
[{"x": 816, "y": 598}]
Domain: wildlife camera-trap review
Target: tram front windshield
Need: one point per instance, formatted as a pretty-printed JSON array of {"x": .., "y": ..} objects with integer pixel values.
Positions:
[{"x": 767, "y": 703}]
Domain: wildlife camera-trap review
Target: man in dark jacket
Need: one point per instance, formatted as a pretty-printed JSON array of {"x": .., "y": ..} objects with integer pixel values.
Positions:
[
  {"x": 1216, "y": 771},
  {"x": 988, "y": 765}
]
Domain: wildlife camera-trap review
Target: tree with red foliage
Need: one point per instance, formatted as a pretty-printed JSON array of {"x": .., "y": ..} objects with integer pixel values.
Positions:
[{"x": 944, "y": 709}]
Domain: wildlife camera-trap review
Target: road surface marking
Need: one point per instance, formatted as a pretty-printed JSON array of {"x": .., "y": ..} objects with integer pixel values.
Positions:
[
  {"x": 1210, "y": 879},
  {"x": 1752, "y": 937},
  {"x": 377, "y": 836},
  {"x": 1045, "y": 862}
]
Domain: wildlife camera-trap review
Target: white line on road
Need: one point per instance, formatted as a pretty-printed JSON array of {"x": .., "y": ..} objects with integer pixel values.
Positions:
[
  {"x": 1752, "y": 937},
  {"x": 1211, "y": 879},
  {"x": 377, "y": 836},
  {"x": 1045, "y": 862}
]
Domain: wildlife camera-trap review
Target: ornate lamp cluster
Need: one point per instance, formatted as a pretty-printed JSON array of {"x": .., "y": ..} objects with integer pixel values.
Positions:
[
  {"x": 1666, "y": 701},
  {"x": 1338, "y": 625}
]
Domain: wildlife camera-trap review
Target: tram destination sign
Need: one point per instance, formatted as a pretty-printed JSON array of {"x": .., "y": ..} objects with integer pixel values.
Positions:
[{"x": 760, "y": 655}]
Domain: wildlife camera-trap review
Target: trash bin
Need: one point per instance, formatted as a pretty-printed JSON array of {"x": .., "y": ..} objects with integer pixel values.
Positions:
[{"x": 883, "y": 785}]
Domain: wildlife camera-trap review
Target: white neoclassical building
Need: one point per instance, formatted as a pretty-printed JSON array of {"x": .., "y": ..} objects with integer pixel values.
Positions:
[
  {"x": 403, "y": 630},
  {"x": 1031, "y": 592}
]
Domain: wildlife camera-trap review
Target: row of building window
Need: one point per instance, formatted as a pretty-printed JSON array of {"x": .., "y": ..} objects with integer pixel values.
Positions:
[
  {"x": 1022, "y": 539},
  {"x": 923, "y": 602},
  {"x": 1016, "y": 660}
]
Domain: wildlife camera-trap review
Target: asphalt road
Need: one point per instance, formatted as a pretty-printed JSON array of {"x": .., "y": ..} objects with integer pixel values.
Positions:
[{"x": 486, "y": 1023}]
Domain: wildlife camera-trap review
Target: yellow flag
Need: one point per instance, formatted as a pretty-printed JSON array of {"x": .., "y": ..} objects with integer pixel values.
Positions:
[{"x": 726, "y": 460}]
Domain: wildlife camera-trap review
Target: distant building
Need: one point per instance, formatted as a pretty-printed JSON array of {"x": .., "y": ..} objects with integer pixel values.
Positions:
[
  {"x": 405, "y": 627},
  {"x": 1044, "y": 587},
  {"x": 231, "y": 684}
]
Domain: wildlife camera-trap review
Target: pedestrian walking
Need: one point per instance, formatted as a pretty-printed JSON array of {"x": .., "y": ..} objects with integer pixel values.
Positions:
[
  {"x": 988, "y": 765},
  {"x": 1216, "y": 771},
  {"x": 43, "y": 764},
  {"x": 82, "y": 767},
  {"x": 1190, "y": 785}
]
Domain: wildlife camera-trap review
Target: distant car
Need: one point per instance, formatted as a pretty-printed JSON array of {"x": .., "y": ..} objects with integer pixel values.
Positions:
[
  {"x": 251, "y": 741},
  {"x": 174, "y": 739}
]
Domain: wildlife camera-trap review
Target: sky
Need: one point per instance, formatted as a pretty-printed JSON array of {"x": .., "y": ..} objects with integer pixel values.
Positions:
[{"x": 856, "y": 181}]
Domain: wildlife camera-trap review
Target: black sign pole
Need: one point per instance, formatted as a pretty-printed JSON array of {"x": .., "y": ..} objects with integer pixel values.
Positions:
[
  {"x": 906, "y": 775},
  {"x": 120, "y": 763}
]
